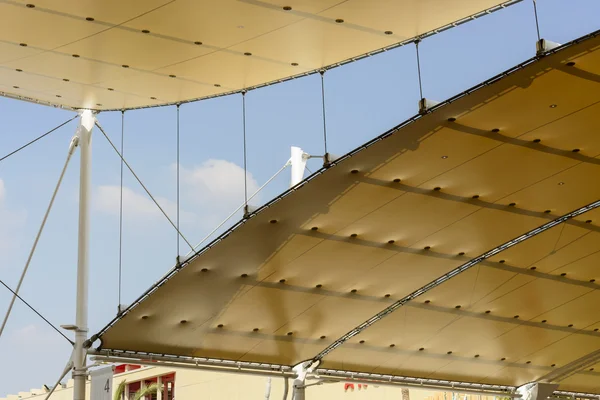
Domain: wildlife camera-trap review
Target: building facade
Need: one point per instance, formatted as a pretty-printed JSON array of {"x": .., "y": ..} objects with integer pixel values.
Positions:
[{"x": 190, "y": 384}]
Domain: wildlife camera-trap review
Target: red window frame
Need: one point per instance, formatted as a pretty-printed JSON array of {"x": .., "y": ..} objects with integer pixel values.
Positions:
[{"x": 167, "y": 383}]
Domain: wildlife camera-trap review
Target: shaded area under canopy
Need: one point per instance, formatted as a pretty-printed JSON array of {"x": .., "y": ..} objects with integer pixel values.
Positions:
[{"x": 477, "y": 171}]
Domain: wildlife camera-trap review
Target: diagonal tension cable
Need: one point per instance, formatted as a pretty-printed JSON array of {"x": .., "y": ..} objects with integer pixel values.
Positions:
[
  {"x": 72, "y": 146},
  {"x": 537, "y": 23},
  {"x": 36, "y": 139},
  {"x": 143, "y": 186},
  {"x": 287, "y": 164},
  {"x": 36, "y": 311}
]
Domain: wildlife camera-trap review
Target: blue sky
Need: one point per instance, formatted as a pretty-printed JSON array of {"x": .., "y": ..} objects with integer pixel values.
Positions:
[{"x": 363, "y": 100}]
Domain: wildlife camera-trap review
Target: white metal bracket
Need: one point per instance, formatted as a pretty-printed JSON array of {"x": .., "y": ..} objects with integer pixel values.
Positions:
[
  {"x": 121, "y": 308},
  {"x": 425, "y": 105},
  {"x": 298, "y": 159},
  {"x": 249, "y": 209},
  {"x": 543, "y": 46},
  {"x": 298, "y": 162},
  {"x": 328, "y": 158},
  {"x": 87, "y": 122}
]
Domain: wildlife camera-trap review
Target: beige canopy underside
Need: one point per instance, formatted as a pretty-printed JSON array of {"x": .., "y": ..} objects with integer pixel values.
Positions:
[
  {"x": 318, "y": 262},
  {"x": 120, "y": 54}
]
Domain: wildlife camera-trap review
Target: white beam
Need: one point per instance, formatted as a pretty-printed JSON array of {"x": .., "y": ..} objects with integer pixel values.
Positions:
[{"x": 84, "y": 132}]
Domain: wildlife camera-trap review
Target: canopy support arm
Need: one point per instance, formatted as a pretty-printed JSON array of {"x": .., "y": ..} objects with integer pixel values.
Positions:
[
  {"x": 299, "y": 387},
  {"x": 63, "y": 374}
]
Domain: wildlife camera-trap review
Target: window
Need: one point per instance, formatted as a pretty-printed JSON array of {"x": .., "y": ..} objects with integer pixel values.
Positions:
[
  {"x": 167, "y": 388},
  {"x": 168, "y": 384},
  {"x": 148, "y": 382},
  {"x": 131, "y": 389}
]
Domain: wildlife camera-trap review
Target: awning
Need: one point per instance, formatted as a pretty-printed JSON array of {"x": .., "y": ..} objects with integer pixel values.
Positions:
[
  {"x": 402, "y": 211},
  {"x": 112, "y": 54}
]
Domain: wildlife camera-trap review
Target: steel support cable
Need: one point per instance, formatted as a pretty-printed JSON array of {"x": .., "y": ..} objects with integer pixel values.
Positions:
[
  {"x": 143, "y": 186},
  {"x": 121, "y": 210},
  {"x": 72, "y": 147},
  {"x": 287, "y": 164},
  {"x": 66, "y": 370},
  {"x": 433, "y": 284},
  {"x": 537, "y": 24},
  {"x": 35, "y": 311},
  {"x": 38, "y": 138},
  {"x": 326, "y": 159},
  {"x": 178, "y": 179},
  {"x": 419, "y": 67},
  {"x": 245, "y": 156}
]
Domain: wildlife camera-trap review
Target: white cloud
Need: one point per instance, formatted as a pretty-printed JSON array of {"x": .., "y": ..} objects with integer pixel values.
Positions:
[
  {"x": 32, "y": 333},
  {"x": 137, "y": 206},
  {"x": 209, "y": 192},
  {"x": 11, "y": 225},
  {"x": 217, "y": 186}
]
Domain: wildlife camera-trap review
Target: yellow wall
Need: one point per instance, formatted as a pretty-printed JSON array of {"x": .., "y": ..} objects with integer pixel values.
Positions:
[{"x": 202, "y": 385}]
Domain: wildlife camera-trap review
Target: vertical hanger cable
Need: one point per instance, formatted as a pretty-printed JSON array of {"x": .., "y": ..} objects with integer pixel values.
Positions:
[
  {"x": 245, "y": 157},
  {"x": 326, "y": 155},
  {"x": 419, "y": 67},
  {"x": 177, "y": 181},
  {"x": 121, "y": 209},
  {"x": 537, "y": 24}
]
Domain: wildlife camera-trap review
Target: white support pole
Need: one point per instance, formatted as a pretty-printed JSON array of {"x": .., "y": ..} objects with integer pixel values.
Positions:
[
  {"x": 268, "y": 389},
  {"x": 299, "y": 384},
  {"x": 159, "y": 392},
  {"x": 84, "y": 132}
]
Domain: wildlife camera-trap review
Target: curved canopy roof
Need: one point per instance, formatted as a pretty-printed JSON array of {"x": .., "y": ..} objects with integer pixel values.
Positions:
[
  {"x": 404, "y": 210},
  {"x": 115, "y": 54}
]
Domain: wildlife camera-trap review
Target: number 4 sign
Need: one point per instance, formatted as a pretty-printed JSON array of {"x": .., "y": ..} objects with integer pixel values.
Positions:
[{"x": 102, "y": 380}]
